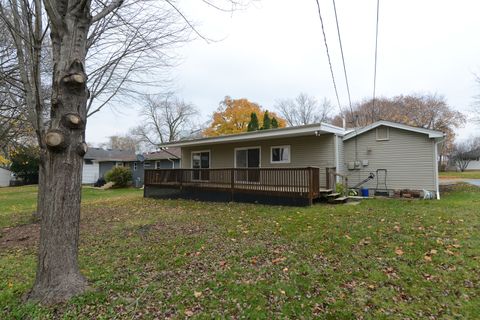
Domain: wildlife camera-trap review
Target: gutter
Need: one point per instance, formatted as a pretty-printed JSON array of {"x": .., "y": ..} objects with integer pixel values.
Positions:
[{"x": 164, "y": 149}]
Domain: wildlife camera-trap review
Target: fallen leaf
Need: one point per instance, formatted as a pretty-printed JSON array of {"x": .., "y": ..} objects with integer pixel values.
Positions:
[
  {"x": 285, "y": 270},
  {"x": 278, "y": 260},
  {"x": 399, "y": 251},
  {"x": 197, "y": 294},
  {"x": 348, "y": 237},
  {"x": 188, "y": 313},
  {"x": 281, "y": 291},
  {"x": 433, "y": 251},
  {"x": 427, "y": 258}
]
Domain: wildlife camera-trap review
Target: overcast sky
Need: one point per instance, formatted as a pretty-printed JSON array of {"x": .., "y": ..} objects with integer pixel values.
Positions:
[{"x": 275, "y": 50}]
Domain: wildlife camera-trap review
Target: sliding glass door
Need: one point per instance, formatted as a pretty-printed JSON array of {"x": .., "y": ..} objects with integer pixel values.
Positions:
[
  {"x": 247, "y": 158},
  {"x": 201, "y": 160}
]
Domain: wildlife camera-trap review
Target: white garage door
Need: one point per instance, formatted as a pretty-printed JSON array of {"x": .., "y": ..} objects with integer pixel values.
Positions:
[
  {"x": 90, "y": 172},
  {"x": 5, "y": 177}
]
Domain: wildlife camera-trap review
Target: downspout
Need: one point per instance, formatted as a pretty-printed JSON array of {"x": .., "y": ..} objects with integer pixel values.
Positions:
[
  {"x": 337, "y": 158},
  {"x": 164, "y": 149},
  {"x": 435, "y": 153}
]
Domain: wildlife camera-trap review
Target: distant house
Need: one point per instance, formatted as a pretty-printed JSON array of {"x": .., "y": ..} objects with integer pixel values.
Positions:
[
  {"x": 302, "y": 162},
  {"x": 98, "y": 161},
  {"x": 474, "y": 164},
  {"x": 5, "y": 177}
]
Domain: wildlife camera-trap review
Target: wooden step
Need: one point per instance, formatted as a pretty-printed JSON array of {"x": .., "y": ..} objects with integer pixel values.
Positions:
[
  {"x": 333, "y": 195},
  {"x": 325, "y": 190},
  {"x": 341, "y": 199}
]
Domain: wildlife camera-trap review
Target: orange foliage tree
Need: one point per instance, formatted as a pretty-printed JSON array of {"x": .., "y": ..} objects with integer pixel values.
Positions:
[{"x": 233, "y": 116}]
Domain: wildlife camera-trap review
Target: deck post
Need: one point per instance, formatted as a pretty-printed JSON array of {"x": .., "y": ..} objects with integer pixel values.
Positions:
[
  {"x": 180, "y": 179},
  {"x": 232, "y": 183},
  {"x": 310, "y": 186}
]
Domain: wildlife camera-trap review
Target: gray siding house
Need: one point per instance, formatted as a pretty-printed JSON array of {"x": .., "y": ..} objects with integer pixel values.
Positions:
[
  {"x": 400, "y": 157},
  {"x": 98, "y": 161}
]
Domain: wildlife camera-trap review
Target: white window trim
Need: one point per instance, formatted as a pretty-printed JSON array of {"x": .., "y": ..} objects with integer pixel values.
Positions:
[
  {"x": 247, "y": 148},
  {"x": 135, "y": 166},
  {"x": 283, "y": 161},
  {"x": 383, "y": 139},
  {"x": 119, "y": 164}
]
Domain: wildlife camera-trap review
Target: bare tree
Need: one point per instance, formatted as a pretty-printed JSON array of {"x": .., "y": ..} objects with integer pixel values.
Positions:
[
  {"x": 120, "y": 34},
  {"x": 429, "y": 111},
  {"x": 304, "y": 109},
  {"x": 122, "y": 142},
  {"x": 476, "y": 104},
  {"x": 465, "y": 152},
  {"x": 166, "y": 118}
]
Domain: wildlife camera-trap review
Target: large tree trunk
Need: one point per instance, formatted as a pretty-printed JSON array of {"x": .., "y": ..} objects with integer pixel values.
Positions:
[{"x": 58, "y": 276}]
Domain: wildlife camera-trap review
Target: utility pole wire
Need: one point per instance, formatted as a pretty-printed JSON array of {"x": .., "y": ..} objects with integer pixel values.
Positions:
[
  {"x": 376, "y": 58},
  {"x": 343, "y": 57},
  {"x": 328, "y": 55}
]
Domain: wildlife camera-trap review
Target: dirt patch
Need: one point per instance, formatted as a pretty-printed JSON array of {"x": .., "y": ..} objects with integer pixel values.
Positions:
[{"x": 21, "y": 236}]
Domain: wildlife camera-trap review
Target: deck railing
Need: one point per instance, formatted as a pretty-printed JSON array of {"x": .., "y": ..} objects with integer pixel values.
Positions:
[{"x": 290, "y": 182}]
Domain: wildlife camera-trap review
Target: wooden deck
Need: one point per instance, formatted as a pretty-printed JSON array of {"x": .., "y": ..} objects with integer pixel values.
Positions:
[{"x": 303, "y": 183}]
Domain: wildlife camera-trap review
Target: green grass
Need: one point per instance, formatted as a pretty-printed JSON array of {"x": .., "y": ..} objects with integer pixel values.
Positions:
[
  {"x": 460, "y": 175},
  {"x": 382, "y": 259},
  {"x": 18, "y": 203}
]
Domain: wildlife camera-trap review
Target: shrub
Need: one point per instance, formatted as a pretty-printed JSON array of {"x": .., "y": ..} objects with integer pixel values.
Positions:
[
  {"x": 121, "y": 176},
  {"x": 25, "y": 164}
]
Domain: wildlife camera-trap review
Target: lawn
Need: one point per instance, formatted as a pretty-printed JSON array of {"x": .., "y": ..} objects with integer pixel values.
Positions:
[
  {"x": 460, "y": 175},
  {"x": 156, "y": 259}
]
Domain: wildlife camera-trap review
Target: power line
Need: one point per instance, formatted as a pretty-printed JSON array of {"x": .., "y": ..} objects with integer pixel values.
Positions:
[
  {"x": 376, "y": 57},
  {"x": 328, "y": 55},
  {"x": 343, "y": 57}
]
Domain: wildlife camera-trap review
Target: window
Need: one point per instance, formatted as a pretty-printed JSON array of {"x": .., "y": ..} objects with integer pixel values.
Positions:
[
  {"x": 201, "y": 160},
  {"x": 383, "y": 133},
  {"x": 118, "y": 164},
  {"x": 280, "y": 154},
  {"x": 134, "y": 166},
  {"x": 88, "y": 161},
  {"x": 163, "y": 164}
]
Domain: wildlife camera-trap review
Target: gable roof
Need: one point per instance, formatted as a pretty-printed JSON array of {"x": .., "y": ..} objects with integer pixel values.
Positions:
[
  {"x": 101, "y": 154},
  {"x": 433, "y": 134},
  {"x": 171, "y": 153},
  {"x": 310, "y": 129}
]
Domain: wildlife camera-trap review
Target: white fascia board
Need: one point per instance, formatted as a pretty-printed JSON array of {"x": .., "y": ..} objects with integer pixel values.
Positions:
[
  {"x": 433, "y": 134},
  {"x": 316, "y": 129}
]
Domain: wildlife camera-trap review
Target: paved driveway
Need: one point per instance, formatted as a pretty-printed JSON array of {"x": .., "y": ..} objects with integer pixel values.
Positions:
[{"x": 475, "y": 182}]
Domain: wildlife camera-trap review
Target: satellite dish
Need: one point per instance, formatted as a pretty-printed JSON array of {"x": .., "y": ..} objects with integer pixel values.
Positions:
[{"x": 140, "y": 157}]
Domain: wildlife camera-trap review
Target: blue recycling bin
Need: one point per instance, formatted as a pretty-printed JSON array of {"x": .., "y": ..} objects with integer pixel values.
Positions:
[{"x": 364, "y": 192}]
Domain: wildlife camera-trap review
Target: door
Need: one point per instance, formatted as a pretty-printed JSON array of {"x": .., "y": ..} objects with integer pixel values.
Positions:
[
  {"x": 90, "y": 171},
  {"x": 247, "y": 158},
  {"x": 201, "y": 160}
]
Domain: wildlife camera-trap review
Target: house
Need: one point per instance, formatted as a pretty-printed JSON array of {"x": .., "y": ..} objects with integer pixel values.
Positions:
[
  {"x": 98, "y": 161},
  {"x": 474, "y": 164},
  {"x": 5, "y": 177},
  {"x": 301, "y": 162}
]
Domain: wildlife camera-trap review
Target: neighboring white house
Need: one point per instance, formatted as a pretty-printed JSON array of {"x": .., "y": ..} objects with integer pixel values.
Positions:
[{"x": 5, "y": 177}]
